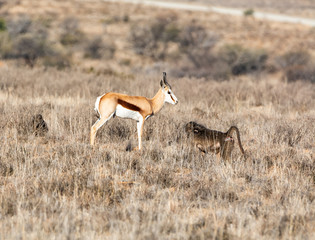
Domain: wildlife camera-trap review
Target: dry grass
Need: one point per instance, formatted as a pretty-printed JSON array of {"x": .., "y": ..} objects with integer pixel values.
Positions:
[{"x": 57, "y": 186}]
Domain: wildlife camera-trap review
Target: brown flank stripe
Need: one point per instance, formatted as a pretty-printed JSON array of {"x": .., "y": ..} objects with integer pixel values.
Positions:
[{"x": 128, "y": 105}]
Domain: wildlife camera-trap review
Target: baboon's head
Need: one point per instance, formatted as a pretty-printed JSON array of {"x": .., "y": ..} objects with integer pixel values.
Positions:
[
  {"x": 38, "y": 117},
  {"x": 38, "y": 125},
  {"x": 167, "y": 90},
  {"x": 189, "y": 127},
  {"x": 193, "y": 127}
]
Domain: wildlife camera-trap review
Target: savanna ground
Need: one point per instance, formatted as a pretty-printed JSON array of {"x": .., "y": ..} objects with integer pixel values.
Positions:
[{"x": 56, "y": 186}]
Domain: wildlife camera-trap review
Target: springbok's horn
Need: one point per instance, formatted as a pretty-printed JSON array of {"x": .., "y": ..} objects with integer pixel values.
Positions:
[{"x": 164, "y": 77}]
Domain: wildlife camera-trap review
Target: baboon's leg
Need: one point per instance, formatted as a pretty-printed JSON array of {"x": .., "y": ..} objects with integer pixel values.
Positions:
[
  {"x": 201, "y": 148},
  {"x": 215, "y": 147},
  {"x": 227, "y": 148}
]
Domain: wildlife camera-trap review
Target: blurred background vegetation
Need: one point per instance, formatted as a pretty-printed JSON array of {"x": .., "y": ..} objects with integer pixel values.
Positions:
[{"x": 125, "y": 43}]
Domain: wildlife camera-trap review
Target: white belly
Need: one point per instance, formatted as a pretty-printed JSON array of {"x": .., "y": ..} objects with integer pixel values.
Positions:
[{"x": 126, "y": 113}]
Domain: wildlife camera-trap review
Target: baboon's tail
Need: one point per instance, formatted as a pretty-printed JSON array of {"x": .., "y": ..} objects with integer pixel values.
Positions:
[{"x": 229, "y": 132}]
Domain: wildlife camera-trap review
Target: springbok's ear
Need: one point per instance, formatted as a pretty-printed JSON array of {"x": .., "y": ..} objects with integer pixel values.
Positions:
[{"x": 161, "y": 83}]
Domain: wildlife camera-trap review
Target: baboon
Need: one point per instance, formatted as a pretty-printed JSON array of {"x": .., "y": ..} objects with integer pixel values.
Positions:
[
  {"x": 207, "y": 140},
  {"x": 38, "y": 125}
]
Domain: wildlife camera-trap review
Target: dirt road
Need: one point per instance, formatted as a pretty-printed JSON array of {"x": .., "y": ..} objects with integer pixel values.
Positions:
[{"x": 222, "y": 10}]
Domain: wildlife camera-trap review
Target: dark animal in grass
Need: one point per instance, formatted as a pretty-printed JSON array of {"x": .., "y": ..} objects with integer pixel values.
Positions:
[
  {"x": 38, "y": 125},
  {"x": 207, "y": 140}
]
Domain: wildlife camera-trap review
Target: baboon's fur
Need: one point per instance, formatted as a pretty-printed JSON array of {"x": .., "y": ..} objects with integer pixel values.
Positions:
[
  {"x": 207, "y": 140},
  {"x": 38, "y": 125}
]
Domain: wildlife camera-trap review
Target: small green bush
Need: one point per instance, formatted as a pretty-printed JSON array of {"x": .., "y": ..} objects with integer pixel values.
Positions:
[
  {"x": 70, "y": 38},
  {"x": 249, "y": 12},
  {"x": 3, "y": 26},
  {"x": 171, "y": 33},
  {"x": 71, "y": 33},
  {"x": 6, "y": 45}
]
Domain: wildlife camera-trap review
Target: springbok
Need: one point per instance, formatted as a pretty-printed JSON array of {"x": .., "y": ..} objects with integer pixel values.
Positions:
[{"x": 133, "y": 107}]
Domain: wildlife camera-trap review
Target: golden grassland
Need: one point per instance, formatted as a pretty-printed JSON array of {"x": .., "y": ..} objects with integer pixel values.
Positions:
[{"x": 57, "y": 186}]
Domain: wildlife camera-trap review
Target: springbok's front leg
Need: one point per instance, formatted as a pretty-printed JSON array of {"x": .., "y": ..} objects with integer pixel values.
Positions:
[{"x": 140, "y": 123}]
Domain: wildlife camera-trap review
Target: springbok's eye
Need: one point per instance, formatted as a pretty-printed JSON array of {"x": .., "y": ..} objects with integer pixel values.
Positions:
[{"x": 169, "y": 92}]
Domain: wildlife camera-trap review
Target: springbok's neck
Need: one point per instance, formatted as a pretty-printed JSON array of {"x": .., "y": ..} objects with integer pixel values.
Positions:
[{"x": 157, "y": 101}]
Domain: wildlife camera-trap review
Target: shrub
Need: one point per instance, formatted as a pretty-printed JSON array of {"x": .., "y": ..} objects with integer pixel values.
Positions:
[
  {"x": 2, "y": 2},
  {"x": 248, "y": 12},
  {"x": 299, "y": 72},
  {"x": 30, "y": 48},
  {"x": 57, "y": 59},
  {"x": 297, "y": 65},
  {"x": 293, "y": 58},
  {"x": 164, "y": 29},
  {"x": 98, "y": 48},
  {"x": 141, "y": 39},
  {"x": 69, "y": 39},
  {"x": 171, "y": 33},
  {"x": 28, "y": 40},
  {"x": 197, "y": 43},
  {"x": 152, "y": 39},
  {"x": 241, "y": 60},
  {"x": 19, "y": 26},
  {"x": 2, "y": 25},
  {"x": 5, "y": 45},
  {"x": 234, "y": 59},
  {"x": 71, "y": 33}
]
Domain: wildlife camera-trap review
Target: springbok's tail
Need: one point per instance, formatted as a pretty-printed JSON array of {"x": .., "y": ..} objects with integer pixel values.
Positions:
[
  {"x": 97, "y": 115},
  {"x": 97, "y": 105}
]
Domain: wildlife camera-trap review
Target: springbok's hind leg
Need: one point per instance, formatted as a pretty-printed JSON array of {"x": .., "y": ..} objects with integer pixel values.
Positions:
[
  {"x": 140, "y": 130},
  {"x": 100, "y": 122}
]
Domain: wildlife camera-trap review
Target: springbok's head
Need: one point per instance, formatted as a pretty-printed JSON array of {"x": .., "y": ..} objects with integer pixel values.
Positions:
[{"x": 167, "y": 90}]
